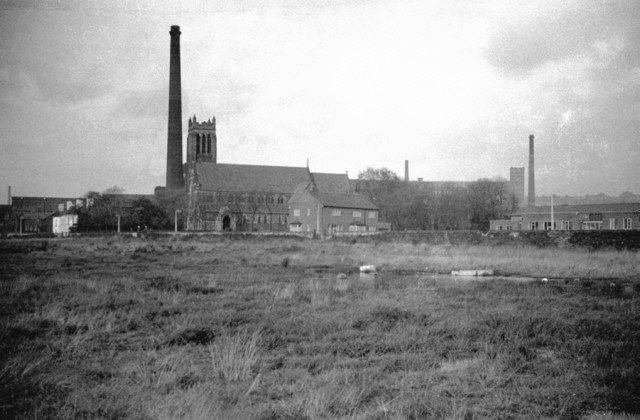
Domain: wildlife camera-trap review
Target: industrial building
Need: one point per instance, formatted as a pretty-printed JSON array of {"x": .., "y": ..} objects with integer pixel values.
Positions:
[
  {"x": 34, "y": 214},
  {"x": 614, "y": 216}
]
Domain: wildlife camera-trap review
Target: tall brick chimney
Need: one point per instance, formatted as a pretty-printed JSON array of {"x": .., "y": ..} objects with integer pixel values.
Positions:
[
  {"x": 406, "y": 171},
  {"x": 175, "y": 179},
  {"x": 532, "y": 177}
]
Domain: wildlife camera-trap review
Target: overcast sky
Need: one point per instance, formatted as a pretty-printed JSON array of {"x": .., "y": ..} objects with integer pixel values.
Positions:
[{"x": 455, "y": 87}]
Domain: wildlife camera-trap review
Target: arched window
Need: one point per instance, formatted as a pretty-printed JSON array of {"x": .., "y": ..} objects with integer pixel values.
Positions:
[
  {"x": 280, "y": 200},
  {"x": 197, "y": 144},
  {"x": 208, "y": 144}
]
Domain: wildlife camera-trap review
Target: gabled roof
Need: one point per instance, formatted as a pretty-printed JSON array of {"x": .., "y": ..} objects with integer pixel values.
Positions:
[
  {"x": 267, "y": 179},
  {"x": 338, "y": 183},
  {"x": 250, "y": 178},
  {"x": 581, "y": 208},
  {"x": 350, "y": 201}
]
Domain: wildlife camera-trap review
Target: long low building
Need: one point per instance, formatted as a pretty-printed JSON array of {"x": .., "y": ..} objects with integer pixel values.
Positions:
[
  {"x": 613, "y": 216},
  {"x": 33, "y": 214}
]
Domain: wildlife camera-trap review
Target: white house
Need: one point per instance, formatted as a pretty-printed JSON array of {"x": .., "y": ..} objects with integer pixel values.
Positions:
[{"x": 61, "y": 224}]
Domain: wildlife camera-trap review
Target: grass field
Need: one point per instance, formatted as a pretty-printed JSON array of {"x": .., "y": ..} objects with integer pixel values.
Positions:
[{"x": 280, "y": 328}]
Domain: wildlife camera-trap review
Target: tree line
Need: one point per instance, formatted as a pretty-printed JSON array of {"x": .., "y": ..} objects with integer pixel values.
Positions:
[
  {"x": 436, "y": 205},
  {"x": 135, "y": 213}
]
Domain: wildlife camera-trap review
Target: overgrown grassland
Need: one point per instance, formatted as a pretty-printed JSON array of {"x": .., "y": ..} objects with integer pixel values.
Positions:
[{"x": 216, "y": 327}]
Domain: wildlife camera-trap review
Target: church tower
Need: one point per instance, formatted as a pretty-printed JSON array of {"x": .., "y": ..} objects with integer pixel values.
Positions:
[{"x": 201, "y": 141}]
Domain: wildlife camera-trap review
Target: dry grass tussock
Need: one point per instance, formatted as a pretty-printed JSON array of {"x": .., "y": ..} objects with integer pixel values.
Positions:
[
  {"x": 234, "y": 357},
  {"x": 176, "y": 328}
]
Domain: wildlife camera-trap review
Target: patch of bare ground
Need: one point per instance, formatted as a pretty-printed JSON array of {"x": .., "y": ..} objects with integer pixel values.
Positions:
[{"x": 200, "y": 328}]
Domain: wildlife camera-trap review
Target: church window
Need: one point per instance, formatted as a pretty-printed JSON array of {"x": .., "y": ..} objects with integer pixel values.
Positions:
[
  {"x": 197, "y": 144},
  {"x": 280, "y": 200},
  {"x": 208, "y": 144}
]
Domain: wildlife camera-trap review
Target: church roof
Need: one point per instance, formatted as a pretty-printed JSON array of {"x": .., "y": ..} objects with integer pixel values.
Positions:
[
  {"x": 268, "y": 179},
  {"x": 250, "y": 178}
]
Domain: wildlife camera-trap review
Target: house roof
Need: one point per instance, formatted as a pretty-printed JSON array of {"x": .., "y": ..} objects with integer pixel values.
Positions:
[
  {"x": 351, "y": 201},
  {"x": 250, "y": 178},
  {"x": 338, "y": 183},
  {"x": 581, "y": 208}
]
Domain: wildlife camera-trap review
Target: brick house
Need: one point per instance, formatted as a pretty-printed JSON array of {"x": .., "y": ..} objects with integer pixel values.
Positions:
[
  {"x": 328, "y": 213},
  {"x": 612, "y": 216}
]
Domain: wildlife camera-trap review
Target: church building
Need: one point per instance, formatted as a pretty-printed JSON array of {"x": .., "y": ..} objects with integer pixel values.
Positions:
[
  {"x": 227, "y": 197},
  {"x": 233, "y": 197}
]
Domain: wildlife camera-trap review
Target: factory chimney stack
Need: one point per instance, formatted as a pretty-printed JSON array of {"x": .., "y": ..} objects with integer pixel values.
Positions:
[
  {"x": 532, "y": 176},
  {"x": 175, "y": 178}
]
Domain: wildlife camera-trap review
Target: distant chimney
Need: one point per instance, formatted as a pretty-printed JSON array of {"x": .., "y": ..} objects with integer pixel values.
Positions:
[
  {"x": 406, "y": 171},
  {"x": 532, "y": 176}
]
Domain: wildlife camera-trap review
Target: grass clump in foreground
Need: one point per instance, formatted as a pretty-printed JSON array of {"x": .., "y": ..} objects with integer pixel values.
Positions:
[{"x": 219, "y": 328}]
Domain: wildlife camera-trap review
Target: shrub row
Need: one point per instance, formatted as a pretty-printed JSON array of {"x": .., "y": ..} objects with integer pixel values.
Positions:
[{"x": 615, "y": 239}]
